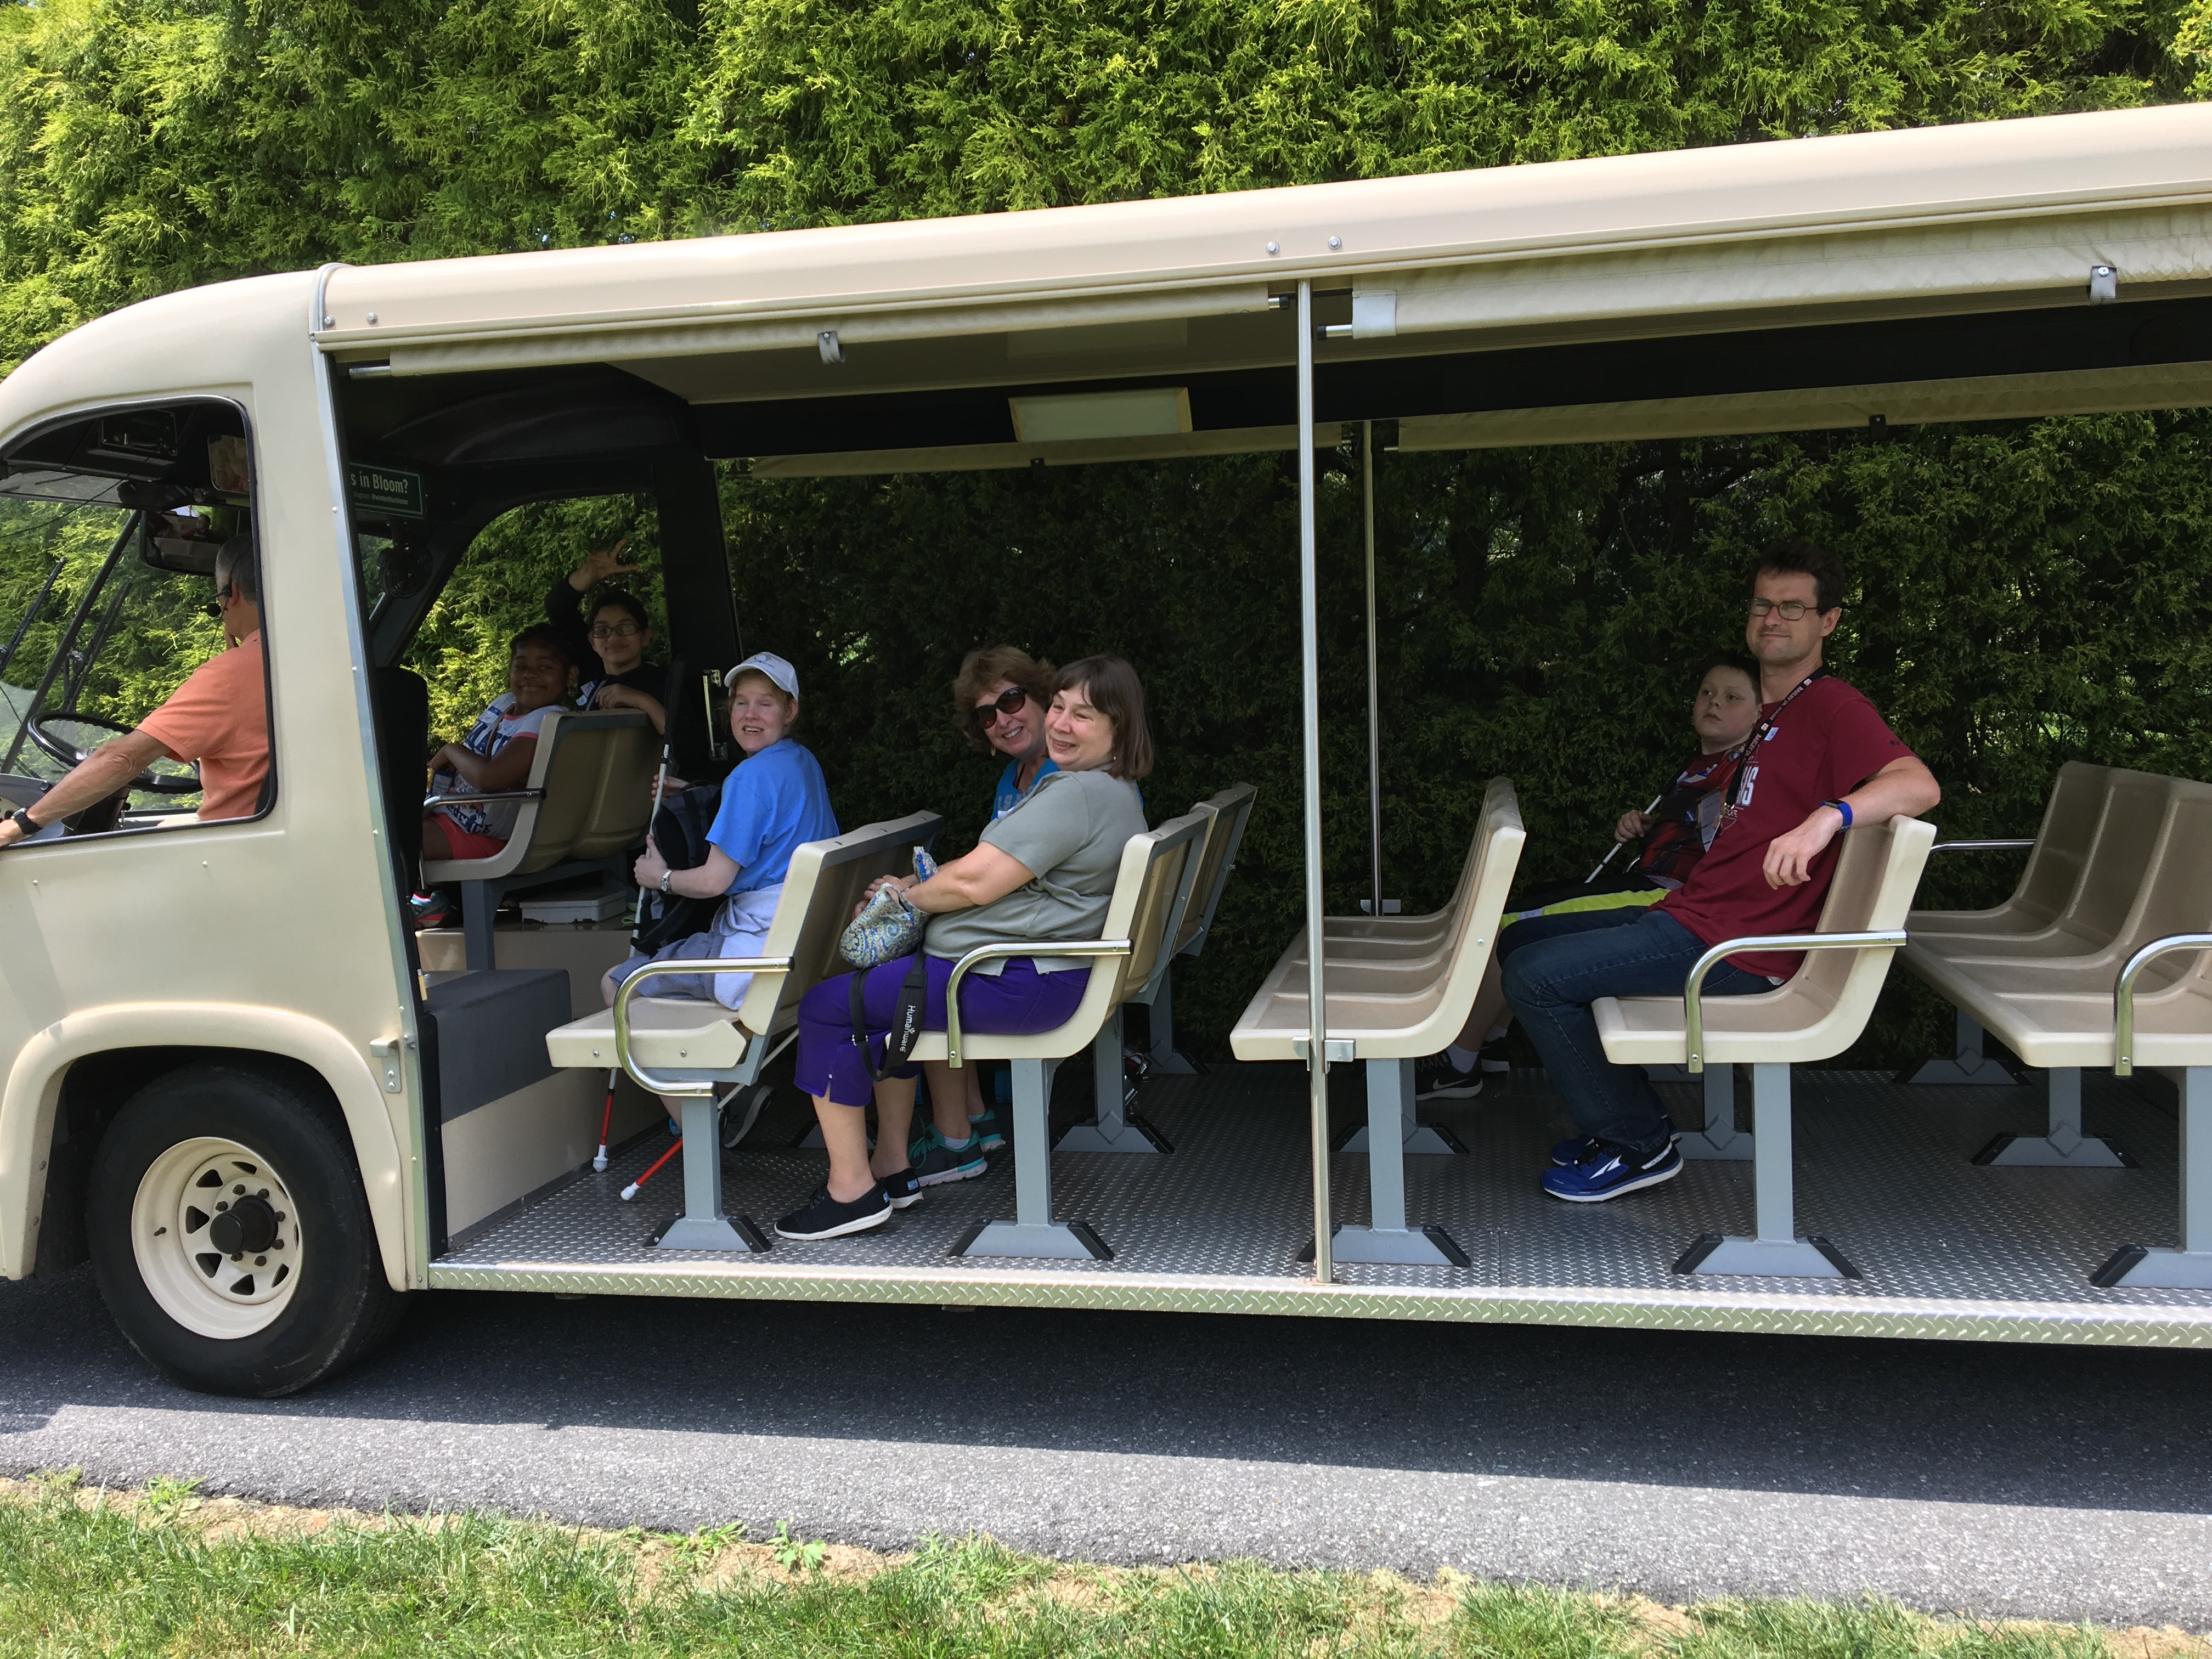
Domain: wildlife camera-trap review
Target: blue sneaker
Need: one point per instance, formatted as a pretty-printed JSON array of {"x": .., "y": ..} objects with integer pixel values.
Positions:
[
  {"x": 986, "y": 1129},
  {"x": 1612, "y": 1171},
  {"x": 1568, "y": 1153}
]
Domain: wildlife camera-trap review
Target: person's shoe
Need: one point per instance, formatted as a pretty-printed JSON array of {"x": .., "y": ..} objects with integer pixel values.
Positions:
[
  {"x": 986, "y": 1129},
  {"x": 1612, "y": 1171},
  {"x": 1568, "y": 1153},
  {"x": 432, "y": 910},
  {"x": 1435, "y": 1078},
  {"x": 935, "y": 1163},
  {"x": 823, "y": 1217},
  {"x": 1494, "y": 1059},
  {"x": 902, "y": 1188}
]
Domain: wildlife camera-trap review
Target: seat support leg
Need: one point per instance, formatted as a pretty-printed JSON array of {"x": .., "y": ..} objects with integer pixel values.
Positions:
[
  {"x": 1967, "y": 1064},
  {"x": 703, "y": 1226},
  {"x": 1387, "y": 1239},
  {"x": 1115, "y": 1128},
  {"x": 1033, "y": 1232},
  {"x": 1776, "y": 1249},
  {"x": 479, "y": 909},
  {"x": 1164, "y": 1059},
  {"x": 1421, "y": 1139},
  {"x": 2189, "y": 1268},
  {"x": 1719, "y": 1139},
  {"x": 2064, "y": 1145}
]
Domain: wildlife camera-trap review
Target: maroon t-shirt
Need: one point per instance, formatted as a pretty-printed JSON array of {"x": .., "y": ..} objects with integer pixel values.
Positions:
[{"x": 1823, "y": 746}]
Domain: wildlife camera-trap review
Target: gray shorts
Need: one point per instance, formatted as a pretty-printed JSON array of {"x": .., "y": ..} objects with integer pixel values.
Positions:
[{"x": 699, "y": 947}]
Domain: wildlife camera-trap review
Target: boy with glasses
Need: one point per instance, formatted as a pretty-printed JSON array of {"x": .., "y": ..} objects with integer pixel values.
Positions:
[
  {"x": 1819, "y": 760},
  {"x": 609, "y": 650}
]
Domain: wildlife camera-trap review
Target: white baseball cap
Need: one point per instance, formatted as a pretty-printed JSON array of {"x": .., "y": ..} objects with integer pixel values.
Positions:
[{"x": 781, "y": 673}]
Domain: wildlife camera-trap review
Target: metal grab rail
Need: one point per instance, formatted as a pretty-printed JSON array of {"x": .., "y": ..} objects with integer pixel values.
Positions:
[
  {"x": 1035, "y": 947},
  {"x": 1977, "y": 846},
  {"x": 645, "y": 1079},
  {"x": 2123, "y": 994},
  {"x": 1694, "y": 1013},
  {"x": 471, "y": 797}
]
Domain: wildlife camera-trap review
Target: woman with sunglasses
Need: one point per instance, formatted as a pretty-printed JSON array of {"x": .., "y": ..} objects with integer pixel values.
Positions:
[
  {"x": 610, "y": 647},
  {"x": 998, "y": 700}
]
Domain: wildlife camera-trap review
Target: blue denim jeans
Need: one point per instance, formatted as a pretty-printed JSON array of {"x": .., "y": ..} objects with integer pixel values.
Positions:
[{"x": 1555, "y": 967}]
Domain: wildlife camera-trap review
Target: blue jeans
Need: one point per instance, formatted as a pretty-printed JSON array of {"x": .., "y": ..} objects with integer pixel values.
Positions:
[{"x": 1555, "y": 967}]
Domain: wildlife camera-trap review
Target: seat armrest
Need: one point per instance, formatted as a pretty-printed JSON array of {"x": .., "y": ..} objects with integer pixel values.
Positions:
[
  {"x": 1977, "y": 846},
  {"x": 472, "y": 796},
  {"x": 2123, "y": 993},
  {"x": 982, "y": 953},
  {"x": 645, "y": 1079},
  {"x": 1694, "y": 1013}
]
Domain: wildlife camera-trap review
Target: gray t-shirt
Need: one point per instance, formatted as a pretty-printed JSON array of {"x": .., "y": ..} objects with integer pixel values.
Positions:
[{"x": 1070, "y": 831}]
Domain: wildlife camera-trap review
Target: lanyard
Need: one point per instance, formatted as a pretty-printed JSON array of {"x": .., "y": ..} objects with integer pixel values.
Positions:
[{"x": 1740, "y": 788}]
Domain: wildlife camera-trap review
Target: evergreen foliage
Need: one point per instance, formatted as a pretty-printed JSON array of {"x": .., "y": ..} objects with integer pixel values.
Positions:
[{"x": 2029, "y": 592}]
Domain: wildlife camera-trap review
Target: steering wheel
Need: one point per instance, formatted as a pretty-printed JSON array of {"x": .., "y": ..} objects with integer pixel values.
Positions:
[{"x": 68, "y": 737}]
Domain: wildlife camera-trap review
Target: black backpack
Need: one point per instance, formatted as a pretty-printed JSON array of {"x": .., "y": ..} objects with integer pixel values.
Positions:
[{"x": 679, "y": 830}]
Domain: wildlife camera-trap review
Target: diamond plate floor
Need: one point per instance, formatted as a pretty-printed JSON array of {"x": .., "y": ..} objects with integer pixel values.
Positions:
[{"x": 1882, "y": 1170}]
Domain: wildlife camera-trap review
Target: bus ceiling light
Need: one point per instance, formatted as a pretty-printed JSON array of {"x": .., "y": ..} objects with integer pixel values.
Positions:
[
  {"x": 2104, "y": 285},
  {"x": 832, "y": 349}
]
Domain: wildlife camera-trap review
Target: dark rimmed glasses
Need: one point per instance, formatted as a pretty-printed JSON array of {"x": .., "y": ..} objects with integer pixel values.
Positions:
[
  {"x": 984, "y": 715},
  {"x": 1791, "y": 609},
  {"x": 621, "y": 630}
]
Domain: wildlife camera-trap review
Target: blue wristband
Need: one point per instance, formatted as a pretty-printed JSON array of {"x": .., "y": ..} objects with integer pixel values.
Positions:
[{"x": 1841, "y": 806}]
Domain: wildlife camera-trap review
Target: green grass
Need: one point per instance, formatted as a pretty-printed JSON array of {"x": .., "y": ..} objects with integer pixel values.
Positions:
[{"x": 162, "y": 1573}]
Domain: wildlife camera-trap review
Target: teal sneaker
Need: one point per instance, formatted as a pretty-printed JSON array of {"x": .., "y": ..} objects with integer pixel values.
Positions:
[
  {"x": 934, "y": 1162},
  {"x": 986, "y": 1128}
]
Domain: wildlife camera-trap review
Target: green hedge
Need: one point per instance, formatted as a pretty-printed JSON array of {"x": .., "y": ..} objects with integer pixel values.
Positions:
[{"x": 2029, "y": 593}]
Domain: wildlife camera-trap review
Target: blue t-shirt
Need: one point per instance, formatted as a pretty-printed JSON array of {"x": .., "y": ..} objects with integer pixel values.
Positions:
[
  {"x": 1009, "y": 796},
  {"x": 773, "y": 804}
]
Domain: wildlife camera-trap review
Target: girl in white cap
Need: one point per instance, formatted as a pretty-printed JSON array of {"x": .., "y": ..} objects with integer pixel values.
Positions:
[{"x": 773, "y": 804}]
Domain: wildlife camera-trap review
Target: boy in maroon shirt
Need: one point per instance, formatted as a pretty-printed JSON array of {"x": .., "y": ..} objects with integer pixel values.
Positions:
[{"x": 1821, "y": 760}]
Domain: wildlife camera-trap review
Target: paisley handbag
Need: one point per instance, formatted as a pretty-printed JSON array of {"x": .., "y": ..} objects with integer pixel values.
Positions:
[{"x": 888, "y": 929}]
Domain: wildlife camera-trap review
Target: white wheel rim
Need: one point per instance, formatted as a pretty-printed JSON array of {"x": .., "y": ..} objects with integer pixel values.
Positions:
[{"x": 182, "y": 1215}]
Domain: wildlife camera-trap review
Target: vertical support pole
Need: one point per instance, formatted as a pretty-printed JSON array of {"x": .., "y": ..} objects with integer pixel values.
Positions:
[
  {"x": 1772, "y": 1166},
  {"x": 2197, "y": 1161},
  {"x": 1106, "y": 1074},
  {"x": 1163, "y": 1056},
  {"x": 1966, "y": 1046},
  {"x": 2063, "y": 1083},
  {"x": 1032, "y": 1143},
  {"x": 1310, "y": 705},
  {"x": 1720, "y": 1103},
  {"x": 479, "y": 911},
  {"x": 702, "y": 1159},
  {"x": 1390, "y": 1112},
  {"x": 1373, "y": 691}
]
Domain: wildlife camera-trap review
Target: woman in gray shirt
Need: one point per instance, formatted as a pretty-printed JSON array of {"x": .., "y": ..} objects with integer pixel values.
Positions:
[{"x": 1044, "y": 872}]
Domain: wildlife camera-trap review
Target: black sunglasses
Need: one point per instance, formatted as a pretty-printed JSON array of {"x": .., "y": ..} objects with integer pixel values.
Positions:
[{"x": 1008, "y": 702}]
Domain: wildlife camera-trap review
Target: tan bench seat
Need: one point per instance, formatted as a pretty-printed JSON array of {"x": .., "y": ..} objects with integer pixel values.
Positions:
[
  {"x": 683, "y": 1047},
  {"x": 1392, "y": 996},
  {"x": 1817, "y": 1015}
]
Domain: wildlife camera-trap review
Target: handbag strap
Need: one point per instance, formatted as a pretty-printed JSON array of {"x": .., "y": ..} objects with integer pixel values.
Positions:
[{"x": 907, "y": 1016}]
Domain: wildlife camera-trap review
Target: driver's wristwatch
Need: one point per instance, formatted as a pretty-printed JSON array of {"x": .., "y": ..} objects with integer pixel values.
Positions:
[{"x": 22, "y": 816}]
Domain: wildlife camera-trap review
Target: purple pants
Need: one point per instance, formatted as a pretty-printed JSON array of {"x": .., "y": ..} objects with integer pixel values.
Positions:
[{"x": 1020, "y": 999}]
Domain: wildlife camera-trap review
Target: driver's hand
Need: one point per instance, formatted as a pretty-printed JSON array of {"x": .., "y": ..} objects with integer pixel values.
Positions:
[{"x": 10, "y": 832}]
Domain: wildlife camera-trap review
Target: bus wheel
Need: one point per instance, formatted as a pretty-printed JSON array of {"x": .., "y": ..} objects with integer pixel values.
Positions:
[{"x": 230, "y": 1234}]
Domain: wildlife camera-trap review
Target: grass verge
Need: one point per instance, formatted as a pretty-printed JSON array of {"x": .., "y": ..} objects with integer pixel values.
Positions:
[{"x": 161, "y": 1570}]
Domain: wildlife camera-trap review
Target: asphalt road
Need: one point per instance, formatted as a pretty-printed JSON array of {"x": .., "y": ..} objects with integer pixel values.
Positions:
[{"x": 2046, "y": 1482}]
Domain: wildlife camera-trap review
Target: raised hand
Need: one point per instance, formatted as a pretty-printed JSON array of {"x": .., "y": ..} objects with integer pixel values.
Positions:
[{"x": 596, "y": 569}]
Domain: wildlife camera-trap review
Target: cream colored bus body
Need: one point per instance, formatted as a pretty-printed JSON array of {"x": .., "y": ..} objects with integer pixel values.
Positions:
[{"x": 271, "y": 936}]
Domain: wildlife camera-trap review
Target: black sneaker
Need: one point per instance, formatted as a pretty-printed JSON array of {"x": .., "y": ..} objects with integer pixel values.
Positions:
[
  {"x": 936, "y": 1162},
  {"x": 823, "y": 1217},
  {"x": 902, "y": 1188},
  {"x": 1435, "y": 1078},
  {"x": 1494, "y": 1059}
]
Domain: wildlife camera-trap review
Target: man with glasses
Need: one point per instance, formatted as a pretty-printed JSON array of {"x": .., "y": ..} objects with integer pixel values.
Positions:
[
  {"x": 609, "y": 650},
  {"x": 1820, "y": 760},
  {"x": 218, "y": 719}
]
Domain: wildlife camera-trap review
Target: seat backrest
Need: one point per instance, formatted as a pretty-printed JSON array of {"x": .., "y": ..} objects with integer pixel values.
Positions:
[
  {"x": 1875, "y": 879},
  {"x": 820, "y": 892},
  {"x": 2118, "y": 854},
  {"x": 1228, "y": 813},
  {"x": 1145, "y": 886},
  {"x": 1491, "y": 864},
  {"x": 595, "y": 766},
  {"x": 2062, "y": 840},
  {"x": 2175, "y": 892}
]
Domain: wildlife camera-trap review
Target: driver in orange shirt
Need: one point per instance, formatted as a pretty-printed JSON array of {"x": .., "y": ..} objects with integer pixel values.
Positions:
[{"x": 219, "y": 717}]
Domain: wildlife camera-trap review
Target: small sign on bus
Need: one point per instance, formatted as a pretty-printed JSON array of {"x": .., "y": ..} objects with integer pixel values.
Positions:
[{"x": 389, "y": 490}]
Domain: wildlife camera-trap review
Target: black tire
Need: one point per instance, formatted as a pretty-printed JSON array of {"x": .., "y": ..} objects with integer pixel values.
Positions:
[{"x": 339, "y": 1308}]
